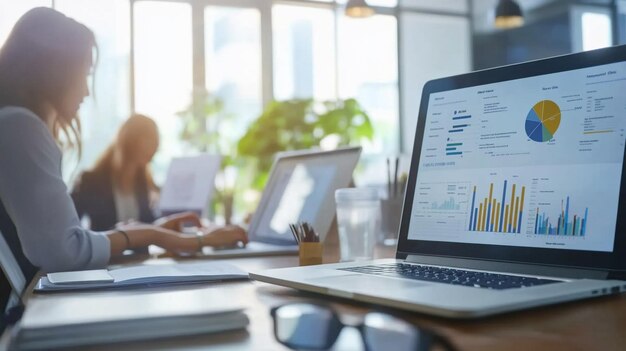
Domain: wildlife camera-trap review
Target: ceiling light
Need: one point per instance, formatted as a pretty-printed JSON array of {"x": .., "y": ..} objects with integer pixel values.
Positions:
[
  {"x": 508, "y": 14},
  {"x": 358, "y": 9}
]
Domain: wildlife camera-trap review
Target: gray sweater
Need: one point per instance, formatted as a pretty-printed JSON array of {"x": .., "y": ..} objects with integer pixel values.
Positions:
[{"x": 36, "y": 198}]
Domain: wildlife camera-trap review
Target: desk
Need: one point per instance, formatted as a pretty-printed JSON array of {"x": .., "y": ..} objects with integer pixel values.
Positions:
[{"x": 598, "y": 324}]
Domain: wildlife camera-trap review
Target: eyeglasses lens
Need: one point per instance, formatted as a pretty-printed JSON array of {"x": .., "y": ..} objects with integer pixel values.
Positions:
[
  {"x": 303, "y": 326},
  {"x": 383, "y": 332}
]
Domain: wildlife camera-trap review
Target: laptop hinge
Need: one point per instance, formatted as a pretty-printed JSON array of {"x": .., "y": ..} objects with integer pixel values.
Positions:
[{"x": 507, "y": 267}]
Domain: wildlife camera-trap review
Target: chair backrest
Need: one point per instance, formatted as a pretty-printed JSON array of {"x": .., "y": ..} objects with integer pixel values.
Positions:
[
  {"x": 12, "y": 282},
  {"x": 10, "y": 268}
]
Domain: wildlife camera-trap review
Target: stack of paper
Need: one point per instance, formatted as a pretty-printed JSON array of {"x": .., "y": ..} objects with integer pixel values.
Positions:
[
  {"x": 146, "y": 275},
  {"x": 56, "y": 321}
]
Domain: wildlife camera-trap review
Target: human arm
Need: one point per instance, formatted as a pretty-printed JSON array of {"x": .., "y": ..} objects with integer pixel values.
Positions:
[
  {"x": 175, "y": 222},
  {"x": 142, "y": 235},
  {"x": 36, "y": 198}
]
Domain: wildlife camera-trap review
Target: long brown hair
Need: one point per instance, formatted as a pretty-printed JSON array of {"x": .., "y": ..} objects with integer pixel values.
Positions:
[
  {"x": 39, "y": 62},
  {"x": 135, "y": 130}
]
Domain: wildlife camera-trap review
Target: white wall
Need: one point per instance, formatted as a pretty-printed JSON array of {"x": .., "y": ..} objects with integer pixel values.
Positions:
[{"x": 431, "y": 46}]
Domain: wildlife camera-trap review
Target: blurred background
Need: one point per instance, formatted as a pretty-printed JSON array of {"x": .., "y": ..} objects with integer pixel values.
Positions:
[{"x": 248, "y": 78}]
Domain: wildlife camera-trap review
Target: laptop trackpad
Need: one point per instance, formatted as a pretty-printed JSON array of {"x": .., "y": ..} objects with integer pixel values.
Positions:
[{"x": 365, "y": 283}]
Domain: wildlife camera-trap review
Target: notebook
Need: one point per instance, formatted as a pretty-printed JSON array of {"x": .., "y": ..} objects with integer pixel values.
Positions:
[
  {"x": 55, "y": 321},
  {"x": 140, "y": 276}
]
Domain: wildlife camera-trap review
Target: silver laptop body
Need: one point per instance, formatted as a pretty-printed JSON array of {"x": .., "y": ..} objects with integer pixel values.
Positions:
[
  {"x": 515, "y": 197},
  {"x": 301, "y": 187}
]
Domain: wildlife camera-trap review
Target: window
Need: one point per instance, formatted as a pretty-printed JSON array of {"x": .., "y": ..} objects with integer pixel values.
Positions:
[
  {"x": 591, "y": 27},
  {"x": 368, "y": 71},
  {"x": 304, "y": 53},
  {"x": 233, "y": 68},
  {"x": 163, "y": 70},
  {"x": 596, "y": 28}
]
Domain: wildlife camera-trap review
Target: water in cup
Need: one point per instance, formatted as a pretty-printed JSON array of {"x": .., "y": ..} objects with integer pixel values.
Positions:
[{"x": 358, "y": 212}]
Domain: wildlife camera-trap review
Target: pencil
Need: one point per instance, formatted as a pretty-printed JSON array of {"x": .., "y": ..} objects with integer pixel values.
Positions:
[{"x": 294, "y": 233}]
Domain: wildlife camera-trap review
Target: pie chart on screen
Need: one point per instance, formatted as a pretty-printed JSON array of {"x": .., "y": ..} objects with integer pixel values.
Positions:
[{"x": 543, "y": 121}]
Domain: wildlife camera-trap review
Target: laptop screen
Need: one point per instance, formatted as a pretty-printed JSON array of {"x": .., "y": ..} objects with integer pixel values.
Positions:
[
  {"x": 301, "y": 187},
  {"x": 532, "y": 162}
]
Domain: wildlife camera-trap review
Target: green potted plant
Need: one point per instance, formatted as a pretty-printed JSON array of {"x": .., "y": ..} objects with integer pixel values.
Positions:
[{"x": 301, "y": 124}]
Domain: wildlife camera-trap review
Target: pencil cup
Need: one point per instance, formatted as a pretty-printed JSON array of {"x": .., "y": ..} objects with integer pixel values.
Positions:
[{"x": 310, "y": 253}]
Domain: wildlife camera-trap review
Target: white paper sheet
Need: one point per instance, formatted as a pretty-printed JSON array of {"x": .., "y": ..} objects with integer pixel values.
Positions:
[{"x": 190, "y": 183}]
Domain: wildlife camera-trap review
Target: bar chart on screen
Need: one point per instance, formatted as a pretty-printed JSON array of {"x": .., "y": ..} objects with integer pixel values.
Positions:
[
  {"x": 566, "y": 223},
  {"x": 559, "y": 211},
  {"x": 499, "y": 212}
]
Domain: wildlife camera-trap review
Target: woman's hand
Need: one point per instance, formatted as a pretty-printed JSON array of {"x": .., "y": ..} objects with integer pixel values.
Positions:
[
  {"x": 175, "y": 222},
  {"x": 228, "y": 235},
  {"x": 142, "y": 235}
]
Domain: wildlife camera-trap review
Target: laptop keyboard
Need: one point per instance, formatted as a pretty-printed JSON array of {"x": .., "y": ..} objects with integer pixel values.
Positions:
[{"x": 450, "y": 276}]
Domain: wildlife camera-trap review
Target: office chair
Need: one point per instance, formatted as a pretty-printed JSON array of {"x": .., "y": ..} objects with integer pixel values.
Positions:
[{"x": 12, "y": 285}]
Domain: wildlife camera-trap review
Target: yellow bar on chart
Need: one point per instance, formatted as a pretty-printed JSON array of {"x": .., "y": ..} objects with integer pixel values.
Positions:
[
  {"x": 497, "y": 222},
  {"x": 506, "y": 218}
]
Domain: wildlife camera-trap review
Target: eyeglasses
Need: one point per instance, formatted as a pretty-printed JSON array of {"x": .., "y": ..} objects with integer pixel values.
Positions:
[{"x": 317, "y": 327}]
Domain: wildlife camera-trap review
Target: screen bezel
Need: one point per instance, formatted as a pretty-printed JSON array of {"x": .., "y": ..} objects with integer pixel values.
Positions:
[{"x": 557, "y": 257}]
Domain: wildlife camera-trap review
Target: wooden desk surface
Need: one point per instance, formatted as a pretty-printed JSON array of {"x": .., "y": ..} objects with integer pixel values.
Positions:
[{"x": 598, "y": 324}]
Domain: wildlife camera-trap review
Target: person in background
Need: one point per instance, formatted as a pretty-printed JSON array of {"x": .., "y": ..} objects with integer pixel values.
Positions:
[
  {"x": 44, "y": 66},
  {"x": 118, "y": 188}
]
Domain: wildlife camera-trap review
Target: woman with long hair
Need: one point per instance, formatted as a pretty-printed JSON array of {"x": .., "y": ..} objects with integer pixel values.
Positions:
[
  {"x": 44, "y": 66},
  {"x": 119, "y": 187}
]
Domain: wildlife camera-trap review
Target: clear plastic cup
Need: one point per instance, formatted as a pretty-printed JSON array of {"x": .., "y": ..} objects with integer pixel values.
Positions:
[{"x": 358, "y": 222}]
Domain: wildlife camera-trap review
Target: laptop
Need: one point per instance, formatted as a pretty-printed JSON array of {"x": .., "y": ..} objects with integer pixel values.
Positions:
[
  {"x": 301, "y": 187},
  {"x": 515, "y": 196}
]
